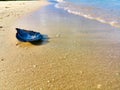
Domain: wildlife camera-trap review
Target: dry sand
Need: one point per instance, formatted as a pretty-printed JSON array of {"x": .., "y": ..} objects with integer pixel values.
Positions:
[{"x": 66, "y": 63}]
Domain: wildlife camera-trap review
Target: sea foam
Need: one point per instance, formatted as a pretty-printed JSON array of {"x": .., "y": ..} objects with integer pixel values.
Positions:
[{"x": 91, "y": 12}]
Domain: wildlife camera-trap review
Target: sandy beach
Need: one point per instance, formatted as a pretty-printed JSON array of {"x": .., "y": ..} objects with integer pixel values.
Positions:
[
  {"x": 10, "y": 11},
  {"x": 81, "y": 54}
]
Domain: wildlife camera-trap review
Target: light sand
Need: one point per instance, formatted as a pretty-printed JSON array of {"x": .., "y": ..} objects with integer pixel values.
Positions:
[
  {"x": 83, "y": 61},
  {"x": 10, "y": 11}
]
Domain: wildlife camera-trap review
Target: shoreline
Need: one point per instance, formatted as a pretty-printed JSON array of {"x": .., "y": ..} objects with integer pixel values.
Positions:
[
  {"x": 91, "y": 16},
  {"x": 81, "y": 54}
]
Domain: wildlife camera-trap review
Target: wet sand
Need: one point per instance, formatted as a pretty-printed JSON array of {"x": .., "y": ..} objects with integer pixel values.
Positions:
[{"x": 72, "y": 59}]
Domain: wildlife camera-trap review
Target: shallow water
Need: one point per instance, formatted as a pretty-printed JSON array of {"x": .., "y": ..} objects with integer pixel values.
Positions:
[
  {"x": 105, "y": 11},
  {"x": 52, "y": 21}
]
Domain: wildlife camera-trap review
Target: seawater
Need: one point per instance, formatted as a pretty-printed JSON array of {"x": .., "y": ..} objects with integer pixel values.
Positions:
[{"x": 105, "y": 11}]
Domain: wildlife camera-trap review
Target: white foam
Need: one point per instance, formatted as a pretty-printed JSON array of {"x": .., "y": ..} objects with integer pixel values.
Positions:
[
  {"x": 101, "y": 20},
  {"x": 59, "y": 0},
  {"x": 69, "y": 7},
  {"x": 114, "y": 23}
]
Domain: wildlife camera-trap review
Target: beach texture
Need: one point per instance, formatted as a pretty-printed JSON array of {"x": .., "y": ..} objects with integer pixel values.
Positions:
[
  {"x": 10, "y": 11},
  {"x": 70, "y": 60}
]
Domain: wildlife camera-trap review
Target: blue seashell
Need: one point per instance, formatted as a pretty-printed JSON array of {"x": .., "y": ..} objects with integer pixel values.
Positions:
[{"x": 28, "y": 36}]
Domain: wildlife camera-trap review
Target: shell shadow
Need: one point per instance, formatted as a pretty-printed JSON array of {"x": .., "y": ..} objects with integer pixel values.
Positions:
[{"x": 42, "y": 41}]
